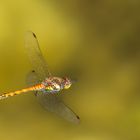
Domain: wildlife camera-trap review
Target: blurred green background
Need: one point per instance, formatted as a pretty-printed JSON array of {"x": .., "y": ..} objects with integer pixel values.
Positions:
[{"x": 96, "y": 42}]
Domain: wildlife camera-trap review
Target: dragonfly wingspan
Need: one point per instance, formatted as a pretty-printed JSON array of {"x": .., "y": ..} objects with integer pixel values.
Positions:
[
  {"x": 52, "y": 102},
  {"x": 35, "y": 55}
]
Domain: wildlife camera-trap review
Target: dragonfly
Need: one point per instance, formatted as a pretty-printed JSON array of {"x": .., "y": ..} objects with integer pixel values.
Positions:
[{"x": 43, "y": 84}]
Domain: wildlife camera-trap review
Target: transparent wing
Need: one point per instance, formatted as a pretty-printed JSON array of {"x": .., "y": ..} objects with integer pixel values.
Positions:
[
  {"x": 32, "y": 78},
  {"x": 52, "y": 102},
  {"x": 36, "y": 58}
]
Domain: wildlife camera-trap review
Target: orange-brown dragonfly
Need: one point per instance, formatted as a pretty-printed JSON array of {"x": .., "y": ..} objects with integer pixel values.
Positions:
[{"x": 45, "y": 86}]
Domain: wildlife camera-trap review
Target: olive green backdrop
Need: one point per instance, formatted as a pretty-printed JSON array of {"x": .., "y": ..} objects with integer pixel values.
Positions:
[{"x": 95, "y": 42}]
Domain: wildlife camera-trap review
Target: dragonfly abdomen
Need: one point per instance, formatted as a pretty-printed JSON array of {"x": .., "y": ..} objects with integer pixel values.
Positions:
[{"x": 17, "y": 92}]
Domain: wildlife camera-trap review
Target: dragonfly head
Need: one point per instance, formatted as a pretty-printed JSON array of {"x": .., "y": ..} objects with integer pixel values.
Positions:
[{"x": 66, "y": 83}]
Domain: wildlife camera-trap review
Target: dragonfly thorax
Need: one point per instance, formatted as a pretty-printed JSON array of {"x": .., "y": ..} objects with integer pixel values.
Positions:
[{"x": 55, "y": 84}]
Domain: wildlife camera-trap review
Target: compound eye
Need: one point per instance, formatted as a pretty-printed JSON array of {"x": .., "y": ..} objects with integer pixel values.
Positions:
[
  {"x": 66, "y": 86},
  {"x": 66, "y": 80}
]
